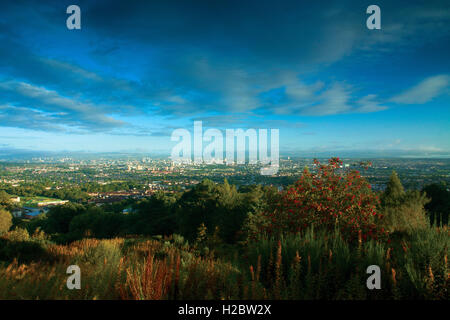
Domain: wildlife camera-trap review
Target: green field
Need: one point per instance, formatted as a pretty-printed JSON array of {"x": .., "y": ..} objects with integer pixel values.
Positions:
[{"x": 33, "y": 201}]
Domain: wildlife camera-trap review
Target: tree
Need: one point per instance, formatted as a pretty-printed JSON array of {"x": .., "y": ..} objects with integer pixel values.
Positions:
[
  {"x": 439, "y": 206},
  {"x": 196, "y": 206},
  {"x": 394, "y": 190},
  {"x": 5, "y": 199},
  {"x": 230, "y": 212},
  {"x": 257, "y": 200},
  {"x": 403, "y": 211},
  {"x": 329, "y": 199},
  {"x": 155, "y": 216},
  {"x": 59, "y": 218},
  {"x": 216, "y": 205},
  {"x": 97, "y": 223},
  {"x": 5, "y": 220}
]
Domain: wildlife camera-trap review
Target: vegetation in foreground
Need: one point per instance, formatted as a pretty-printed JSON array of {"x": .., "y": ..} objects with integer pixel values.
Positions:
[
  {"x": 314, "y": 240},
  {"x": 302, "y": 266}
]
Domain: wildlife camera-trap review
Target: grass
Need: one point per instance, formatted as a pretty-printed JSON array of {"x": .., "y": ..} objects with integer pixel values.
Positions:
[
  {"x": 308, "y": 266},
  {"x": 32, "y": 202}
]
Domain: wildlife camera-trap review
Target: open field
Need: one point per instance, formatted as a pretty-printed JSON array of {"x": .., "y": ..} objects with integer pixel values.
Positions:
[{"x": 37, "y": 201}]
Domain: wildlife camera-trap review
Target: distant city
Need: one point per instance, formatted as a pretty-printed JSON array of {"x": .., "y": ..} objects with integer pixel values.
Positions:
[{"x": 116, "y": 179}]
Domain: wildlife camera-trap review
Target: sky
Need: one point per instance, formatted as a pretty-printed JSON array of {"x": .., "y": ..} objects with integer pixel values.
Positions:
[{"x": 138, "y": 70}]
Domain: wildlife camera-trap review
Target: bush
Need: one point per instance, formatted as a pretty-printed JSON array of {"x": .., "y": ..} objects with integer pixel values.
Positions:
[
  {"x": 96, "y": 223},
  {"x": 5, "y": 221},
  {"x": 59, "y": 218},
  {"x": 154, "y": 216},
  {"x": 18, "y": 244},
  {"x": 216, "y": 205},
  {"x": 329, "y": 199},
  {"x": 17, "y": 235},
  {"x": 403, "y": 211},
  {"x": 439, "y": 206}
]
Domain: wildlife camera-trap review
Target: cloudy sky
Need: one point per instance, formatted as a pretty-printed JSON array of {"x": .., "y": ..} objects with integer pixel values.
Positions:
[{"x": 137, "y": 70}]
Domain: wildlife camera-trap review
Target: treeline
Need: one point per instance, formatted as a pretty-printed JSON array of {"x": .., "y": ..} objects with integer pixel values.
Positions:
[
  {"x": 64, "y": 192},
  {"x": 71, "y": 192},
  {"x": 219, "y": 207},
  {"x": 327, "y": 200}
]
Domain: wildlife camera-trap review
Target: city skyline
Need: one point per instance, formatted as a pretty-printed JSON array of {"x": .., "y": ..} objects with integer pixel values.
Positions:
[{"x": 137, "y": 71}]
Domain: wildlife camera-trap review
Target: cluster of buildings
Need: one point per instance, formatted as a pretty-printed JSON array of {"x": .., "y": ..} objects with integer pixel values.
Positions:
[{"x": 110, "y": 197}]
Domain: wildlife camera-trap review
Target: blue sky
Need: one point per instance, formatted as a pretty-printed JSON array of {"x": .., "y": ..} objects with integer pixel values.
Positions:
[{"x": 137, "y": 70}]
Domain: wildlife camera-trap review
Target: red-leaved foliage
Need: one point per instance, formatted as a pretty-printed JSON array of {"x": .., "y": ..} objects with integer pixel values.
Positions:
[{"x": 331, "y": 198}]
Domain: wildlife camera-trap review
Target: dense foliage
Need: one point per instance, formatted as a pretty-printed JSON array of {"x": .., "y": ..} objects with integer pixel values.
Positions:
[
  {"x": 439, "y": 206},
  {"x": 5, "y": 220},
  {"x": 328, "y": 199},
  {"x": 403, "y": 211},
  {"x": 312, "y": 240}
]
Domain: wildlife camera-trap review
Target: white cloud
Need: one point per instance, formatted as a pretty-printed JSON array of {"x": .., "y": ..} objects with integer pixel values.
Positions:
[
  {"x": 369, "y": 104},
  {"x": 319, "y": 99},
  {"x": 302, "y": 92},
  {"x": 334, "y": 100},
  {"x": 63, "y": 110},
  {"x": 425, "y": 91}
]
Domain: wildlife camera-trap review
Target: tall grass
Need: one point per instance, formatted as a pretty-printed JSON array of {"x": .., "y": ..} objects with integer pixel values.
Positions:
[
  {"x": 317, "y": 265},
  {"x": 312, "y": 265}
]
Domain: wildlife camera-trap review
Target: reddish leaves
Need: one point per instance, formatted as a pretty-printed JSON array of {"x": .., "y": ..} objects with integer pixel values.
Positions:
[{"x": 331, "y": 198}]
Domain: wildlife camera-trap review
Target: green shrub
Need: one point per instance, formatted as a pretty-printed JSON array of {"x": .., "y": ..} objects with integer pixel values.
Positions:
[
  {"x": 403, "y": 211},
  {"x": 5, "y": 220},
  {"x": 18, "y": 244}
]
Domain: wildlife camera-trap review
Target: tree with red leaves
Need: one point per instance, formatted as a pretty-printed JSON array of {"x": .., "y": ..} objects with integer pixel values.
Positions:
[{"x": 330, "y": 198}]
